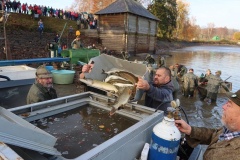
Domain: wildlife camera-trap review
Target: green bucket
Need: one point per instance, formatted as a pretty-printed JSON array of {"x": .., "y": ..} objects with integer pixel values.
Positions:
[{"x": 63, "y": 76}]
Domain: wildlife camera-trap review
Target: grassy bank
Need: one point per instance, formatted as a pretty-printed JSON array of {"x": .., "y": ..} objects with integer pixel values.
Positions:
[{"x": 29, "y": 23}]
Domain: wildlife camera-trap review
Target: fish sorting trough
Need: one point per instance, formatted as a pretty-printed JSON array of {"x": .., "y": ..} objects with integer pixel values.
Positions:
[
  {"x": 118, "y": 77},
  {"x": 124, "y": 145}
]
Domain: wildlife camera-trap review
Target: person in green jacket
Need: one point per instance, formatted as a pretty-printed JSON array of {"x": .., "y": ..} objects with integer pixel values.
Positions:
[
  {"x": 223, "y": 143},
  {"x": 42, "y": 89},
  {"x": 190, "y": 82},
  {"x": 213, "y": 85}
]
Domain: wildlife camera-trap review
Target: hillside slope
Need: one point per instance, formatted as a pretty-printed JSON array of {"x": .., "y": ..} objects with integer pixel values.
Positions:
[{"x": 24, "y": 40}]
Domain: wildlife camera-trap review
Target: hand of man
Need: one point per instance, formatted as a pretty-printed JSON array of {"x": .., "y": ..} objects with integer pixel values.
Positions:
[
  {"x": 86, "y": 68},
  {"x": 183, "y": 126},
  {"x": 142, "y": 84}
]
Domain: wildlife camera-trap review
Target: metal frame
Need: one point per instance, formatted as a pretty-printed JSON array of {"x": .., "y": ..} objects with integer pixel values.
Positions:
[{"x": 126, "y": 145}]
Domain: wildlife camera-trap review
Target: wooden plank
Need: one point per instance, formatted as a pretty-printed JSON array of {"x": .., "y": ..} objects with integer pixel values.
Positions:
[
  {"x": 131, "y": 42},
  {"x": 153, "y": 25},
  {"x": 113, "y": 22},
  {"x": 132, "y": 20},
  {"x": 143, "y": 25}
]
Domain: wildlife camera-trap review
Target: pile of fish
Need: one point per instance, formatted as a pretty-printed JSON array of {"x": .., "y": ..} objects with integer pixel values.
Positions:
[{"x": 120, "y": 83}]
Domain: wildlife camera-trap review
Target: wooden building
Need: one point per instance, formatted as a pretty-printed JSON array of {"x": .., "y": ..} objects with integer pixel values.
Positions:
[{"x": 125, "y": 25}]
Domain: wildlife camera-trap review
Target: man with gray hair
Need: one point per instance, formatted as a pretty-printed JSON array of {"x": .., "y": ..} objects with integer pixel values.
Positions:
[
  {"x": 42, "y": 89},
  {"x": 223, "y": 143}
]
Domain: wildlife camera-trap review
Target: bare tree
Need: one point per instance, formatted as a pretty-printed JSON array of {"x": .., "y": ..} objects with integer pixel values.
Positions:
[{"x": 210, "y": 30}]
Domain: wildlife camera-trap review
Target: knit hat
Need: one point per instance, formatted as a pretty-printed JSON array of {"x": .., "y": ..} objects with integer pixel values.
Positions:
[
  {"x": 235, "y": 97},
  {"x": 42, "y": 72}
]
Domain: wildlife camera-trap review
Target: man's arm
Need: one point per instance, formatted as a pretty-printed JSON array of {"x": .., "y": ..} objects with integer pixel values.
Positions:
[{"x": 197, "y": 135}]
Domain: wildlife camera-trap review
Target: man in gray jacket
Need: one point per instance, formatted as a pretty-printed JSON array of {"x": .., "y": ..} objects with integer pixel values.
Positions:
[
  {"x": 42, "y": 89},
  {"x": 223, "y": 143},
  {"x": 159, "y": 92}
]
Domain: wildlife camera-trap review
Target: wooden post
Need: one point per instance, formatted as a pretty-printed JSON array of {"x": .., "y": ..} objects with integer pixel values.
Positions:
[
  {"x": 136, "y": 36},
  {"x": 126, "y": 20},
  {"x": 148, "y": 35}
]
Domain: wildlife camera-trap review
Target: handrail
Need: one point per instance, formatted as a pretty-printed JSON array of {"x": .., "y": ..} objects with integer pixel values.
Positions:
[{"x": 35, "y": 60}]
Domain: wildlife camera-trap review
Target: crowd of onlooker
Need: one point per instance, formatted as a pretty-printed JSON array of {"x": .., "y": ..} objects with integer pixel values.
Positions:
[{"x": 84, "y": 18}]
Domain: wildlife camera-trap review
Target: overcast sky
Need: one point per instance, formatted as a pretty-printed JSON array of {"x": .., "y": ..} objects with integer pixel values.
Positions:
[{"x": 223, "y": 13}]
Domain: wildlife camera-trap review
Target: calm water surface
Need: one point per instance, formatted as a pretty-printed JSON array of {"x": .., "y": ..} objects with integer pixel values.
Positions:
[
  {"x": 81, "y": 129},
  {"x": 201, "y": 58}
]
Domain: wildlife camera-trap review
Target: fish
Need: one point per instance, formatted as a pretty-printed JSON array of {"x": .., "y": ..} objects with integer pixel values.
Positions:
[
  {"x": 111, "y": 71},
  {"x": 101, "y": 85},
  {"x": 122, "y": 85},
  {"x": 132, "y": 78},
  {"x": 126, "y": 75},
  {"x": 122, "y": 99},
  {"x": 148, "y": 76},
  {"x": 116, "y": 79},
  {"x": 123, "y": 74}
]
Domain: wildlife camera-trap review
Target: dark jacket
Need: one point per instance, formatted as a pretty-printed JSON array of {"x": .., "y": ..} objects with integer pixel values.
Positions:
[
  {"x": 38, "y": 93},
  {"x": 214, "y": 82},
  {"x": 190, "y": 81},
  {"x": 156, "y": 95},
  {"x": 220, "y": 150}
]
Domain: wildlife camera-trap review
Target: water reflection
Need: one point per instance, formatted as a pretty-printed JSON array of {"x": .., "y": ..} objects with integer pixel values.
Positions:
[{"x": 201, "y": 58}]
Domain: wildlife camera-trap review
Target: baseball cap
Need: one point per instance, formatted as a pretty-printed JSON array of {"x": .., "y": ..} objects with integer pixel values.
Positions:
[
  {"x": 235, "y": 97},
  {"x": 42, "y": 72}
]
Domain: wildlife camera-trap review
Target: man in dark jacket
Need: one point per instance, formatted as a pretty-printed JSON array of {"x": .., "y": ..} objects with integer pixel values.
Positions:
[
  {"x": 42, "y": 89},
  {"x": 223, "y": 143},
  {"x": 158, "y": 92}
]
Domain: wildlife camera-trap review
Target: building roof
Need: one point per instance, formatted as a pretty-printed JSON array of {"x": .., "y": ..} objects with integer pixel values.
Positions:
[{"x": 127, "y": 6}]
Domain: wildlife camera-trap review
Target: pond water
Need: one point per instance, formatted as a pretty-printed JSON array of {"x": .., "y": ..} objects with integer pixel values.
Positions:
[{"x": 201, "y": 58}]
